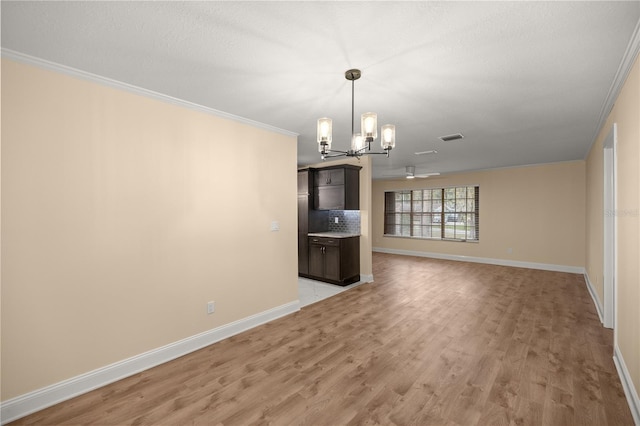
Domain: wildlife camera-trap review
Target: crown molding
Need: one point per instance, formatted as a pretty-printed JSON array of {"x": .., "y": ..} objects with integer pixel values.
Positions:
[
  {"x": 628, "y": 59},
  {"x": 73, "y": 72}
]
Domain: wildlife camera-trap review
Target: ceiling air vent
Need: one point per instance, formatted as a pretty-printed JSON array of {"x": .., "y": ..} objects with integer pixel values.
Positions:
[{"x": 452, "y": 137}]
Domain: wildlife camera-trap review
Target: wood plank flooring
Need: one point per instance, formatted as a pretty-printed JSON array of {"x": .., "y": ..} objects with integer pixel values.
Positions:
[{"x": 431, "y": 342}]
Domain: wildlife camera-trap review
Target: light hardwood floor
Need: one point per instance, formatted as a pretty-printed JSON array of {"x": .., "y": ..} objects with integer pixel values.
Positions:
[{"x": 430, "y": 342}]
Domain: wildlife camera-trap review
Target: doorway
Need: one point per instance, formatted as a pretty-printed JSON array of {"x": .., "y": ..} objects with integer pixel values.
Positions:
[{"x": 609, "y": 265}]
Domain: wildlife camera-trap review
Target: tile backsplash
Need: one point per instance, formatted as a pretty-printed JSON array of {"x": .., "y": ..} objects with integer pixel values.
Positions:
[{"x": 348, "y": 221}]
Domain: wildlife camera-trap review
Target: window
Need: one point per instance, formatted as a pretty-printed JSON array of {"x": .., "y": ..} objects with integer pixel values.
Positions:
[{"x": 438, "y": 213}]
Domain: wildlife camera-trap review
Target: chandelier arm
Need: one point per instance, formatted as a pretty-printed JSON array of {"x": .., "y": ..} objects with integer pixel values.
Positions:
[
  {"x": 325, "y": 156},
  {"x": 336, "y": 152},
  {"x": 366, "y": 150},
  {"x": 332, "y": 153}
]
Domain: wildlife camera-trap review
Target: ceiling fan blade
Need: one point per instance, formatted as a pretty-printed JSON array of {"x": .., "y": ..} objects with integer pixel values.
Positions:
[
  {"x": 392, "y": 173},
  {"x": 426, "y": 175},
  {"x": 395, "y": 175}
]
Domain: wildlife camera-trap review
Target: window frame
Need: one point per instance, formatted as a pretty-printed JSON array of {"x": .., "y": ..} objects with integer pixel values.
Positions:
[{"x": 423, "y": 213}]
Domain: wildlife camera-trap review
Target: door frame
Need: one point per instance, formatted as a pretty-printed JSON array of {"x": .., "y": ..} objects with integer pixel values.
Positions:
[{"x": 610, "y": 230}]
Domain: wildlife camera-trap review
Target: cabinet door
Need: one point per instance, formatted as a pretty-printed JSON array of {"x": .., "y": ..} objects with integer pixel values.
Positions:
[
  {"x": 352, "y": 190},
  {"x": 303, "y": 253},
  {"x": 349, "y": 257},
  {"x": 320, "y": 178},
  {"x": 329, "y": 177},
  {"x": 329, "y": 198},
  {"x": 316, "y": 260},
  {"x": 303, "y": 213},
  {"x": 332, "y": 263}
]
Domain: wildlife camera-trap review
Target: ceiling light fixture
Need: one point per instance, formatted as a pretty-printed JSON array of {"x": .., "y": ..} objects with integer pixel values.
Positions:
[
  {"x": 360, "y": 142},
  {"x": 453, "y": 137}
]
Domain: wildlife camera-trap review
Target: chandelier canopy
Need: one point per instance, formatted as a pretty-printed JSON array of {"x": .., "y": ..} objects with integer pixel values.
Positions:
[{"x": 360, "y": 142}]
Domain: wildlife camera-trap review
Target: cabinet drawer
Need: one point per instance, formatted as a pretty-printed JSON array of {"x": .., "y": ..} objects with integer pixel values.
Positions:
[{"x": 325, "y": 241}]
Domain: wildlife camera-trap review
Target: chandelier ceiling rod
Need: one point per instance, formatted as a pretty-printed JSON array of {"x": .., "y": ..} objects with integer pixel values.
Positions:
[{"x": 353, "y": 91}]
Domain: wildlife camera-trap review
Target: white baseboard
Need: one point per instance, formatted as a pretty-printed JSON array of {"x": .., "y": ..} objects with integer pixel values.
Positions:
[
  {"x": 366, "y": 278},
  {"x": 31, "y": 402},
  {"x": 627, "y": 384},
  {"x": 502, "y": 262},
  {"x": 594, "y": 296}
]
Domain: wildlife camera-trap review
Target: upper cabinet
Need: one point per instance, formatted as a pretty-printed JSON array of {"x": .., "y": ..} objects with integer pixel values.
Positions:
[
  {"x": 328, "y": 177},
  {"x": 337, "y": 188}
]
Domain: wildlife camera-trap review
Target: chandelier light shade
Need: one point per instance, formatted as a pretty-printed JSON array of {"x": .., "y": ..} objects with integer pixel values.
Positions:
[
  {"x": 388, "y": 140},
  {"x": 324, "y": 133},
  {"x": 369, "y": 126},
  {"x": 357, "y": 142},
  {"x": 360, "y": 142}
]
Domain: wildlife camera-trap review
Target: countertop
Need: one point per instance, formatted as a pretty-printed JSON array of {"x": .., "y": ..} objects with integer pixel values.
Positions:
[{"x": 333, "y": 234}]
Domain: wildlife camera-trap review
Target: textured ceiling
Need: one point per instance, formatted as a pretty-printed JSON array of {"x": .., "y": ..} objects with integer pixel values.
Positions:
[{"x": 525, "y": 82}]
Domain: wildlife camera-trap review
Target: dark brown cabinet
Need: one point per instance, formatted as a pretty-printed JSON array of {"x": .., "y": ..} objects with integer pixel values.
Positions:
[
  {"x": 309, "y": 220},
  {"x": 303, "y": 241},
  {"x": 334, "y": 260},
  {"x": 337, "y": 188}
]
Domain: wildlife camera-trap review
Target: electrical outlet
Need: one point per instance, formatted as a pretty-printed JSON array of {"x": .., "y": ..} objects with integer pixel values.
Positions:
[
  {"x": 337, "y": 220},
  {"x": 211, "y": 308}
]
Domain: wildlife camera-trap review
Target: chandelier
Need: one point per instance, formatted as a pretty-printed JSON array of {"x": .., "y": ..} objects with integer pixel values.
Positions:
[{"x": 360, "y": 142}]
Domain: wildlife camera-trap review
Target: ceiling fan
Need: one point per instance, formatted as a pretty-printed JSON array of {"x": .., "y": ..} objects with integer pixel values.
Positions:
[{"x": 410, "y": 173}]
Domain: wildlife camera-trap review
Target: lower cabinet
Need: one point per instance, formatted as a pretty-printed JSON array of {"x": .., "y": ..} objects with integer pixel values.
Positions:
[
  {"x": 334, "y": 260},
  {"x": 324, "y": 258}
]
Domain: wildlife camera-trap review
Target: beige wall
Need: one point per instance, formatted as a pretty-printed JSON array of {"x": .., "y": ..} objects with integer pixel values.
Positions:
[
  {"x": 626, "y": 113},
  {"x": 122, "y": 216},
  {"x": 536, "y": 211},
  {"x": 366, "y": 263}
]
